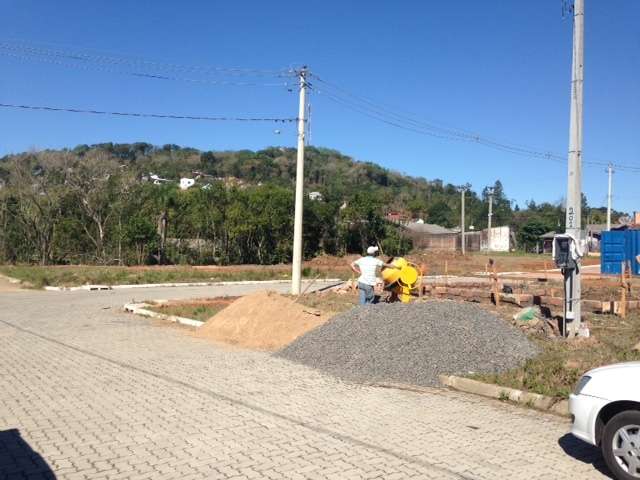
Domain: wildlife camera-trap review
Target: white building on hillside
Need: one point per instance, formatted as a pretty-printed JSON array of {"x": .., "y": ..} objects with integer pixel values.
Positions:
[{"x": 186, "y": 183}]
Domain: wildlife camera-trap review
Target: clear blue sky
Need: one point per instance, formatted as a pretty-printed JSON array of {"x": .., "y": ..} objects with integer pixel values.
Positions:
[{"x": 498, "y": 68}]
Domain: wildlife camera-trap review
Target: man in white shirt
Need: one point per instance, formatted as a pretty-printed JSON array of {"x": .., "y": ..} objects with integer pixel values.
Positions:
[{"x": 367, "y": 269}]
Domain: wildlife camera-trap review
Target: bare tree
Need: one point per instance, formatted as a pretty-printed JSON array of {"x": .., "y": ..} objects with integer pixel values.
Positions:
[
  {"x": 98, "y": 181},
  {"x": 36, "y": 184}
]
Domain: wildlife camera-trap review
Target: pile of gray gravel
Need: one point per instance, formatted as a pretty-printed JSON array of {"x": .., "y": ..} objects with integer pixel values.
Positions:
[{"x": 411, "y": 343}]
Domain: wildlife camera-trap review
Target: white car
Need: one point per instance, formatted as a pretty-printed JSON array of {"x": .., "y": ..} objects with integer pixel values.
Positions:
[{"x": 605, "y": 411}]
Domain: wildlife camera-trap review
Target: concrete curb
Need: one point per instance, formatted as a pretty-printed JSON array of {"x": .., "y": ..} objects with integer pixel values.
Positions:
[
  {"x": 533, "y": 400},
  {"x": 185, "y": 284},
  {"x": 140, "y": 309}
]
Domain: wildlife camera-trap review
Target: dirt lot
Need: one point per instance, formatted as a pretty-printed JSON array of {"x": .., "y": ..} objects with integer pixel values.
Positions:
[
  {"x": 435, "y": 263},
  {"x": 453, "y": 263}
]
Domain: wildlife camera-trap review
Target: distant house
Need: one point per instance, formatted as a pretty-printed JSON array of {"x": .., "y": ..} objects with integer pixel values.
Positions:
[
  {"x": 430, "y": 228},
  {"x": 156, "y": 179},
  {"x": 186, "y": 183},
  {"x": 432, "y": 237},
  {"x": 496, "y": 240},
  {"x": 547, "y": 242},
  {"x": 397, "y": 217}
]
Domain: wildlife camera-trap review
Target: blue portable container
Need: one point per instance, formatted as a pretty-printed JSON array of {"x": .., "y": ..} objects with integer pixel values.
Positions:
[
  {"x": 633, "y": 245},
  {"x": 617, "y": 247}
]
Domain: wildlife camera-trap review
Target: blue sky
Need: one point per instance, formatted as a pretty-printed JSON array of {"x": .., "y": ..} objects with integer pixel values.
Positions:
[{"x": 501, "y": 69}]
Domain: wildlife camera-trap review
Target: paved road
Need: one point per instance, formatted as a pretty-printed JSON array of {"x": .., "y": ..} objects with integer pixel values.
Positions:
[{"x": 87, "y": 391}]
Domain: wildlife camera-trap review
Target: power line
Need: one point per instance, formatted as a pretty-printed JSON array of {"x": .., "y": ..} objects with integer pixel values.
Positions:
[
  {"x": 150, "y": 115},
  {"x": 412, "y": 127},
  {"x": 382, "y": 109},
  {"x": 404, "y": 121},
  {"x": 118, "y": 59},
  {"x": 76, "y": 61},
  {"x": 100, "y": 68},
  {"x": 407, "y": 123}
]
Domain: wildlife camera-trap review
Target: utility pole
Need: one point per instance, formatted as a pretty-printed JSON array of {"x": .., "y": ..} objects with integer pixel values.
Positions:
[
  {"x": 462, "y": 192},
  {"x": 490, "y": 192},
  {"x": 572, "y": 287},
  {"x": 308, "y": 135},
  {"x": 296, "y": 268},
  {"x": 610, "y": 172}
]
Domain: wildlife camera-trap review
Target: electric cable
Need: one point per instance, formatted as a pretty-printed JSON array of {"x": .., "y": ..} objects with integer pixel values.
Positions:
[
  {"x": 386, "y": 115},
  {"x": 149, "y": 115},
  {"x": 155, "y": 76},
  {"x": 79, "y": 55}
]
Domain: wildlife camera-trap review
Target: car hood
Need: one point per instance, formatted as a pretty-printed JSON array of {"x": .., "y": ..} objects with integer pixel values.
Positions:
[
  {"x": 627, "y": 366},
  {"x": 620, "y": 381}
]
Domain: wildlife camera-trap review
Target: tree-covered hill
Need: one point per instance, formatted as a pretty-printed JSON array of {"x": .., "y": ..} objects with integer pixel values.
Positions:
[{"x": 120, "y": 203}]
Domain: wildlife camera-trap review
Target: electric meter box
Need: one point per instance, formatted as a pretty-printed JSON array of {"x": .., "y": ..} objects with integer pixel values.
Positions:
[{"x": 564, "y": 249}]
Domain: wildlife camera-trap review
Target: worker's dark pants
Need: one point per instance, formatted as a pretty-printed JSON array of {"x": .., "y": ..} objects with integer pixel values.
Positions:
[{"x": 366, "y": 293}]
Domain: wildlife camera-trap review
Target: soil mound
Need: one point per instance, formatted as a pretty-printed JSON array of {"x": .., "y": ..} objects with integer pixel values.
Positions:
[
  {"x": 262, "y": 321},
  {"x": 411, "y": 343}
]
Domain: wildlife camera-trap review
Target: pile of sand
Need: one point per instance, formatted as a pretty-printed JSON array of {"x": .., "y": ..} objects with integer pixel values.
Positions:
[{"x": 262, "y": 321}]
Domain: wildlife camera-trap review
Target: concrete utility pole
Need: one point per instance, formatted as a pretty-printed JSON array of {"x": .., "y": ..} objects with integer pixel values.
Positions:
[
  {"x": 490, "y": 191},
  {"x": 462, "y": 192},
  {"x": 574, "y": 182},
  {"x": 296, "y": 268},
  {"x": 610, "y": 172}
]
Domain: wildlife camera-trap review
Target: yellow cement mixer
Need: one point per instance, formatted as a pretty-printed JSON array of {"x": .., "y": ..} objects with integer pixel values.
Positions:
[{"x": 403, "y": 281}]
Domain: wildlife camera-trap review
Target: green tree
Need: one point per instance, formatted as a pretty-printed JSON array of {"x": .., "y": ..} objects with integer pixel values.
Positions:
[
  {"x": 441, "y": 214},
  {"x": 141, "y": 235},
  {"x": 529, "y": 234}
]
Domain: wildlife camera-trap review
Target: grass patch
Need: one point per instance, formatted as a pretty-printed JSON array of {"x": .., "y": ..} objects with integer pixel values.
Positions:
[
  {"x": 70, "y": 276},
  {"x": 561, "y": 363},
  {"x": 202, "y": 311}
]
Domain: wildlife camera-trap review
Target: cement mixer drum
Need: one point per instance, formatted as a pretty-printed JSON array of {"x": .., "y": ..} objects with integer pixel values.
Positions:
[{"x": 403, "y": 281}]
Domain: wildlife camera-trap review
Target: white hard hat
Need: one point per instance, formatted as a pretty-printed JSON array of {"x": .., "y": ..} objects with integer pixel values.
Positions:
[{"x": 372, "y": 250}]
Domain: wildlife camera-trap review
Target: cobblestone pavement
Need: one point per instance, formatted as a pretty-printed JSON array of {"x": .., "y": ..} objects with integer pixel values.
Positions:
[{"x": 87, "y": 391}]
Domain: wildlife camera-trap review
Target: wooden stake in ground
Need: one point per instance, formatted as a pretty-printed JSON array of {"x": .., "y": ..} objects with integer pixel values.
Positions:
[
  {"x": 423, "y": 271},
  {"x": 446, "y": 272},
  {"x": 625, "y": 288},
  {"x": 495, "y": 286}
]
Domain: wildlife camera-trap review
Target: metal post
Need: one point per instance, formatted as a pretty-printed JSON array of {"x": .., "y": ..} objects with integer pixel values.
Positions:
[
  {"x": 296, "y": 268},
  {"x": 610, "y": 172},
  {"x": 574, "y": 180},
  {"x": 462, "y": 221},
  {"x": 489, "y": 221}
]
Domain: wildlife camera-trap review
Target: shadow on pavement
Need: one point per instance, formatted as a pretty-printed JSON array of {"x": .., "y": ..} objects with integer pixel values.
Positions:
[
  {"x": 584, "y": 452},
  {"x": 19, "y": 460}
]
